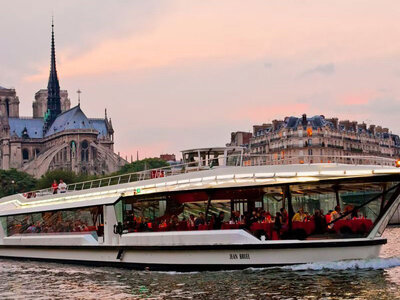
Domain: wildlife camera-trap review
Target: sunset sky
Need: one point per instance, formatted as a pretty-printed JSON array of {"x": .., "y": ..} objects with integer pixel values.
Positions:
[{"x": 182, "y": 74}]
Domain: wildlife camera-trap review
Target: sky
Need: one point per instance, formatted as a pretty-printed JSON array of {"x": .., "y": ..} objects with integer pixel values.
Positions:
[{"x": 181, "y": 74}]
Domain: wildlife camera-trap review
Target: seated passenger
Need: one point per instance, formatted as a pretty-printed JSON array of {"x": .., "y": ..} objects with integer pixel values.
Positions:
[
  {"x": 191, "y": 220},
  {"x": 284, "y": 215},
  {"x": 348, "y": 212},
  {"x": 219, "y": 220},
  {"x": 200, "y": 220},
  {"x": 174, "y": 222},
  {"x": 268, "y": 217},
  {"x": 238, "y": 217},
  {"x": 253, "y": 218},
  {"x": 336, "y": 213},
  {"x": 299, "y": 216}
]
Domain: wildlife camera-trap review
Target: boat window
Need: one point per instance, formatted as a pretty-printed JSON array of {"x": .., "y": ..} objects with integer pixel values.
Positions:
[
  {"x": 340, "y": 209},
  {"x": 88, "y": 219}
]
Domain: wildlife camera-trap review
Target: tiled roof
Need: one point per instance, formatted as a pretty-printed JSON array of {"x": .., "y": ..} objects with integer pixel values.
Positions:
[
  {"x": 70, "y": 119},
  {"x": 34, "y": 127},
  {"x": 100, "y": 126}
]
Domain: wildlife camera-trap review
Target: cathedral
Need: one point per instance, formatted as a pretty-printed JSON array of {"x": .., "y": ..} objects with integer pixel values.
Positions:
[{"x": 57, "y": 136}]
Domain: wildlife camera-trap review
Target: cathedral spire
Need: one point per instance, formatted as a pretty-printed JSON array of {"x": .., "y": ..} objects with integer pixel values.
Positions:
[{"x": 53, "y": 86}]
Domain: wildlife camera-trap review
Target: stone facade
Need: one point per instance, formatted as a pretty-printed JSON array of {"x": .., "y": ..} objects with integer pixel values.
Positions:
[
  {"x": 39, "y": 106},
  {"x": 319, "y": 139}
]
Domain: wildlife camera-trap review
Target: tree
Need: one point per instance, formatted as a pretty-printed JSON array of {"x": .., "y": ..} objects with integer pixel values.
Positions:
[
  {"x": 144, "y": 164},
  {"x": 13, "y": 181}
]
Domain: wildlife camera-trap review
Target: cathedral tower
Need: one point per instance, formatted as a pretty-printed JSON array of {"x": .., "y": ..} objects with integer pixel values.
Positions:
[{"x": 53, "y": 88}]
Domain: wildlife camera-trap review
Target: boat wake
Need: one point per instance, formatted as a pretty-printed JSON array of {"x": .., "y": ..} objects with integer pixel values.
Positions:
[{"x": 376, "y": 264}]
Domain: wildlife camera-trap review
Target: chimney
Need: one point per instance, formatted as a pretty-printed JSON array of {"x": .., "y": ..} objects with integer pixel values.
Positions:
[
  {"x": 304, "y": 120},
  {"x": 372, "y": 128}
]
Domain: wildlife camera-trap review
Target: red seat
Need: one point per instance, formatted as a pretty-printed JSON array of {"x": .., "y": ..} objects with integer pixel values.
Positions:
[
  {"x": 230, "y": 226},
  {"x": 203, "y": 227}
]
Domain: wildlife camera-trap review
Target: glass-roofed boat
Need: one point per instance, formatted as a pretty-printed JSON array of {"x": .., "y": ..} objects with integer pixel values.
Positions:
[{"x": 210, "y": 217}]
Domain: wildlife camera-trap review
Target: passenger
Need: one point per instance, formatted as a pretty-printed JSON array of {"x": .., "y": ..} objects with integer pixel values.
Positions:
[
  {"x": 219, "y": 220},
  {"x": 191, "y": 220},
  {"x": 278, "y": 224},
  {"x": 268, "y": 217},
  {"x": 232, "y": 220},
  {"x": 354, "y": 214},
  {"x": 54, "y": 187},
  {"x": 212, "y": 221},
  {"x": 238, "y": 217},
  {"x": 299, "y": 216},
  {"x": 348, "y": 212},
  {"x": 336, "y": 213},
  {"x": 174, "y": 223},
  {"x": 328, "y": 217},
  {"x": 200, "y": 220},
  {"x": 253, "y": 218},
  {"x": 30, "y": 229},
  {"x": 319, "y": 222},
  {"x": 163, "y": 224},
  {"x": 247, "y": 220},
  {"x": 259, "y": 217},
  {"x": 62, "y": 186},
  {"x": 285, "y": 215}
]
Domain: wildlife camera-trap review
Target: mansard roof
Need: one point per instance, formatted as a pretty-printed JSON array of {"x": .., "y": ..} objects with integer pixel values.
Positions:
[
  {"x": 315, "y": 122},
  {"x": 34, "y": 127},
  {"x": 68, "y": 120}
]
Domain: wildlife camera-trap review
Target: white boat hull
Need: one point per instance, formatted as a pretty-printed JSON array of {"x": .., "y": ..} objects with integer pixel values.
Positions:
[{"x": 202, "y": 257}]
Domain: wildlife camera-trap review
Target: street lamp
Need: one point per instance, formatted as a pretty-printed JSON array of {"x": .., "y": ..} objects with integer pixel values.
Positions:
[{"x": 12, "y": 186}]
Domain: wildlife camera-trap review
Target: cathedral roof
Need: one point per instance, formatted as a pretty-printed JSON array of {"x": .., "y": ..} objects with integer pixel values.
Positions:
[
  {"x": 100, "y": 126},
  {"x": 68, "y": 120},
  {"x": 34, "y": 127}
]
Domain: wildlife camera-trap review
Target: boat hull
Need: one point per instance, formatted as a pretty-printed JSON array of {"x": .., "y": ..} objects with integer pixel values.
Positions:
[{"x": 201, "y": 257}]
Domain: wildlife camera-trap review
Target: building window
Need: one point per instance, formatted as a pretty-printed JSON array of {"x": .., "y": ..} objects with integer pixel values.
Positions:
[
  {"x": 8, "y": 107},
  {"x": 25, "y": 154},
  {"x": 84, "y": 151}
]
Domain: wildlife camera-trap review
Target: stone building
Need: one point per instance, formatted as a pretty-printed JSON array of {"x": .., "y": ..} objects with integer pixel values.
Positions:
[
  {"x": 319, "y": 139},
  {"x": 240, "y": 138},
  {"x": 57, "y": 136}
]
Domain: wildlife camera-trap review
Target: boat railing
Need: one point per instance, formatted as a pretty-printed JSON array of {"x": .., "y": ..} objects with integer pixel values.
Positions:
[{"x": 212, "y": 163}]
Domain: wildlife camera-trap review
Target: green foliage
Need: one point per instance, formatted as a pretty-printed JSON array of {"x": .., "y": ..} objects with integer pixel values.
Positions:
[
  {"x": 144, "y": 164},
  {"x": 13, "y": 181},
  {"x": 67, "y": 176}
]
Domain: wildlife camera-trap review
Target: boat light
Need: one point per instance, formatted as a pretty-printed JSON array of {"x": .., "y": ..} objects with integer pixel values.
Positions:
[
  {"x": 264, "y": 175},
  {"x": 220, "y": 177},
  {"x": 358, "y": 172},
  {"x": 250, "y": 175},
  {"x": 285, "y": 174}
]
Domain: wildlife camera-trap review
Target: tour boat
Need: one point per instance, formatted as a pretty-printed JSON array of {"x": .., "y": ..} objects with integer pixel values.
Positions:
[{"x": 145, "y": 223}]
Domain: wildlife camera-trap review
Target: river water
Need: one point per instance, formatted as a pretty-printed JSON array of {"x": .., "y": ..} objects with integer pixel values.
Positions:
[{"x": 363, "y": 279}]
